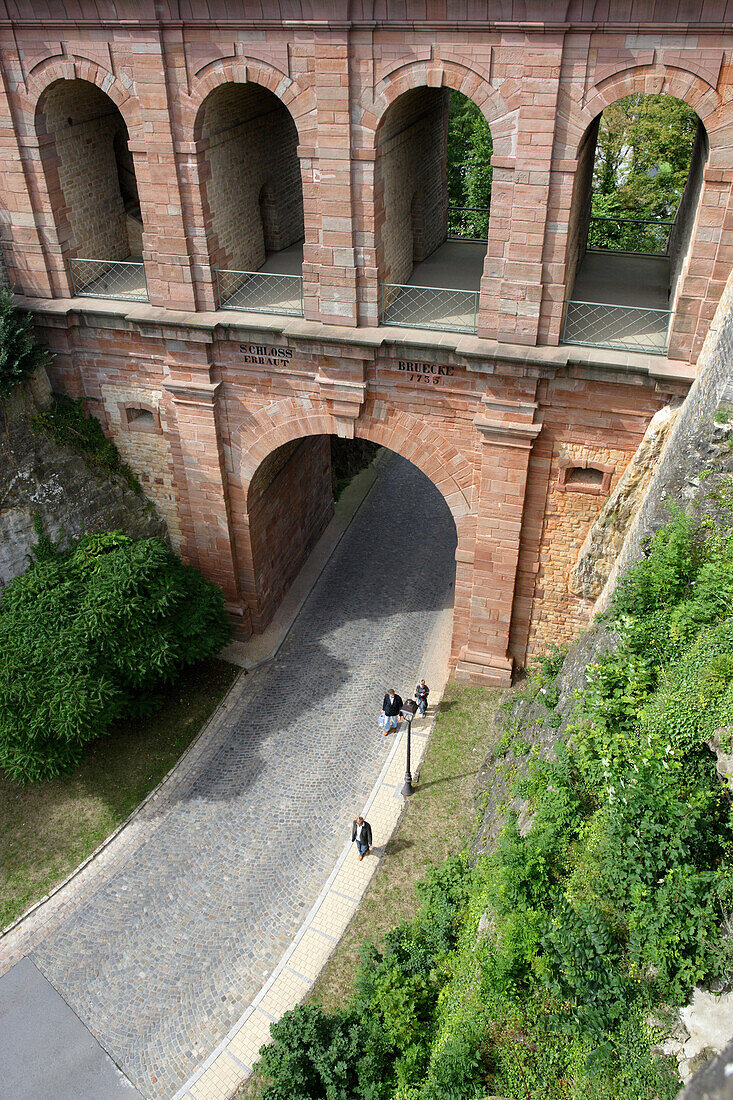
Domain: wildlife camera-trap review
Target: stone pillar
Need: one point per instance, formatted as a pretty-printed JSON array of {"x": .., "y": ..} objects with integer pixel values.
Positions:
[
  {"x": 22, "y": 243},
  {"x": 508, "y": 431},
  {"x": 208, "y": 540},
  {"x": 706, "y": 268},
  {"x": 522, "y": 185},
  {"x": 165, "y": 246},
  {"x": 342, "y": 386},
  {"x": 329, "y": 257}
]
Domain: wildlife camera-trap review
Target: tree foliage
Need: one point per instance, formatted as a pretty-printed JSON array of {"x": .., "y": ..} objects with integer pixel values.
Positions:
[
  {"x": 641, "y": 166},
  {"x": 20, "y": 352},
  {"x": 469, "y": 163},
  {"x": 87, "y": 636}
]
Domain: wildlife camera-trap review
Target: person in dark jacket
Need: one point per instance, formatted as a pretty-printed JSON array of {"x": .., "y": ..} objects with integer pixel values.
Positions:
[
  {"x": 421, "y": 694},
  {"x": 391, "y": 708},
  {"x": 361, "y": 832}
]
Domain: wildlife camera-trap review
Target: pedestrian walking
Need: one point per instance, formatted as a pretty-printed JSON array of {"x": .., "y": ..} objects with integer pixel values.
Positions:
[
  {"x": 391, "y": 707},
  {"x": 421, "y": 694},
  {"x": 361, "y": 832}
]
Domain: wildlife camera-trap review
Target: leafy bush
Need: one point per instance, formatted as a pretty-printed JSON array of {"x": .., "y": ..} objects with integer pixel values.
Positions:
[
  {"x": 312, "y": 1055},
  {"x": 20, "y": 352},
  {"x": 87, "y": 636},
  {"x": 70, "y": 425}
]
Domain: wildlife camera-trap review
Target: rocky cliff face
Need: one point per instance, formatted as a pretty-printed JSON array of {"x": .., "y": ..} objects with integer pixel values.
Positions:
[
  {"x": 606, "y": 537},
  {"x": 38, "y": 477}
]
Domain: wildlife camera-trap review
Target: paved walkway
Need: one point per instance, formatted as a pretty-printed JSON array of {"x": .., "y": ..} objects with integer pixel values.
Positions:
[{"x": 161, "y": 947}]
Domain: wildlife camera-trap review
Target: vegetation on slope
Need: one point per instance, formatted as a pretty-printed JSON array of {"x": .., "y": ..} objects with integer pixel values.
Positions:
[
  {"x": 20, "y": 352},
  {"x": 550, "y": 967},
  {"x": 69, "y": 425}
]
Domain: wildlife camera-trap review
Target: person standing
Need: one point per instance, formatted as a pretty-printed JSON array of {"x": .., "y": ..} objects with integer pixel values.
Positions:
[
  {"x": 361, "y": 832},
  {"x": 391, "y": 708},
  {"x": 421, "y": 694}
]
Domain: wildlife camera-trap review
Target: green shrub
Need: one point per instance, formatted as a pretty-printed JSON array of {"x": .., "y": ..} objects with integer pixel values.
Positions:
[
  {"x": 312, "y": 1055},
  {"x": 662, "y": 577},
  {"x": 20, "y": 352},
  {"x": 87, "y": 636},
  {"x": 68, "y": 423}
]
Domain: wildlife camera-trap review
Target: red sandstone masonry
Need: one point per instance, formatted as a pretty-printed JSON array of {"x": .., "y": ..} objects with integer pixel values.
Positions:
[{"x": 492, "y": 435}]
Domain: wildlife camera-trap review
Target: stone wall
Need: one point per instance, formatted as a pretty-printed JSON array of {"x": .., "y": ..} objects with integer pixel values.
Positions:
[
  {"x": 571, "y": 506},
  {"x": 80, "y": 124},
  {"x": 411, "y": 196},
  {"x": 696, "y": 442},
  {"x": 290, "y": 503},
  {"x": 680, "y": 236},
  {"x": 580, "y": 209},
  {"x": 540, "y": 85},
  {"x": 37, "y": 477},
  {"x": 251, "y": 170}
]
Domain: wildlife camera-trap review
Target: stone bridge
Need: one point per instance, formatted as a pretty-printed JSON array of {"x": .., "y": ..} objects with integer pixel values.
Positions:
[{"x": 234, "y": 230}]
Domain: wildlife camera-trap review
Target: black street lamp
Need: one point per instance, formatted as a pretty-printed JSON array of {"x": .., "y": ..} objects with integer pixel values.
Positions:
[{"x": 409, "y": 709}]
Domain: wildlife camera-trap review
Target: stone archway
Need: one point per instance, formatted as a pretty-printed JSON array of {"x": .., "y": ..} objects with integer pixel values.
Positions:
[{"x": 279, "y": 427}]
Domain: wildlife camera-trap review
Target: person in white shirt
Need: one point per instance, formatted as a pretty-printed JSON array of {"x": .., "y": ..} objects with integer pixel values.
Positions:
[{"x": 361, "y": 832}]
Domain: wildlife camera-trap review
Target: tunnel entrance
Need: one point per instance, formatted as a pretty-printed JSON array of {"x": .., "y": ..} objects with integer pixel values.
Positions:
[
  {"x": 92, "y": 186},
  {"x": 291, "y": 499},
  {"x": 252, "y": 195}
]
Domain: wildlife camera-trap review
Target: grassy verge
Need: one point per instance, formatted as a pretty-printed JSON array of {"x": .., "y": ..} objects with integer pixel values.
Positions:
[
  {"x": 436, "y": 823},
  {"x": 47, "y": 829}
]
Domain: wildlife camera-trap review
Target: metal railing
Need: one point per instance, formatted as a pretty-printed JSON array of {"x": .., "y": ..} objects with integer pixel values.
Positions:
[
  {"x": 468, "y": 223},
  {"x": 643, "y": 235},
  {"x": 429, "y": 307},
  {"x": 259, "y": 292},
  {"x": 123, "y": 279},
  {"x": 624, "y": 328}
]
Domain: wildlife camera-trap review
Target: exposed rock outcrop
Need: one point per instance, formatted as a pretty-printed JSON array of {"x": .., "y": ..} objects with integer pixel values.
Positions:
[
  {"x": 606, "y": 537},
  {"x": 39, "y": 477}
]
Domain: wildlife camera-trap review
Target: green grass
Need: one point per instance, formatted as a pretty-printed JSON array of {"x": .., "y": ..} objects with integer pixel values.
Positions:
[
  {"x": 437, "y": 822},
  {"x": 47, "y": 829}
]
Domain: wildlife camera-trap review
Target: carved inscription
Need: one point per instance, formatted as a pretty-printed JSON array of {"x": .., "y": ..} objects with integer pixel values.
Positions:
[
  {"x": 266, "y": 355},
  {"x": 429, "y": 374}
]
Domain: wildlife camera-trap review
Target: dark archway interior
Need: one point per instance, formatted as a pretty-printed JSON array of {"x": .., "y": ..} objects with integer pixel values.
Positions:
[
  {"x": 91, "y": 177},
  {"x": 253, "y": 196},
  {"x": 290, "y": 502}
]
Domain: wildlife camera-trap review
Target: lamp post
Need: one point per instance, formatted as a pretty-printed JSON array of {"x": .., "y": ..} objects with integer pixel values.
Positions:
[{"x": 409, "y": 709}]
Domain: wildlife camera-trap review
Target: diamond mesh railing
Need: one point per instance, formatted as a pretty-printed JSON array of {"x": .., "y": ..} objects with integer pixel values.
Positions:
[
  {"x": 642, "y": 235},
  {"x": 429, "y": 307},
  {"x": 259, "y": 292},
  {"x": 468, "y": 223},
  {"x": 624, "y": 328},
  {"x": 109, "y": 279}
]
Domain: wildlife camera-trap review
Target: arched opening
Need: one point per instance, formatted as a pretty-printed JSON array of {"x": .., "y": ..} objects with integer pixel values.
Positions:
[
  {"x": 432, "y": 197},
  {"x": 290, "y": 504},
  {"x": 90, "y": 175},
  {"x": 636, "y": 194},
  {"x": 247, "y": 147}
]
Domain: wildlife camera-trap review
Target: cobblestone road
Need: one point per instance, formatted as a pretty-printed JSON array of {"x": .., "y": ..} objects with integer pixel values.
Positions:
[{"x": 160, "y": 961}]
